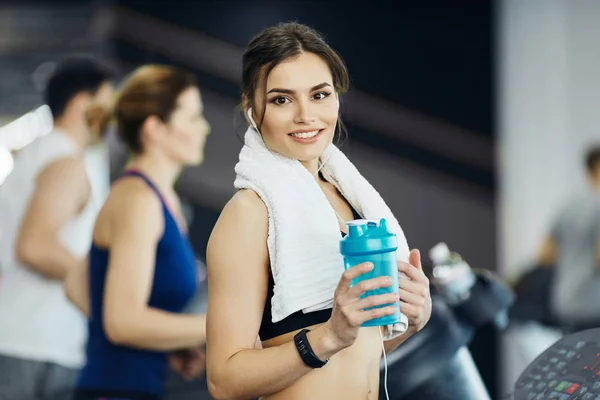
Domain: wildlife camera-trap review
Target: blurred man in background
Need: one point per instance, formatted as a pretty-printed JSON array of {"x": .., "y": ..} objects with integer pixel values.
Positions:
[
  {"x": 573, "y": 247},
  {"x": 48, "y": 209}
]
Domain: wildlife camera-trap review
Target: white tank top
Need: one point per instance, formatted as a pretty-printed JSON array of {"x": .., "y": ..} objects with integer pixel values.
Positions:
[{"x": 37, "y": 322}]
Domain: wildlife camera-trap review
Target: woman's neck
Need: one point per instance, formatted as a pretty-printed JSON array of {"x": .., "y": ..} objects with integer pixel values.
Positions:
[
  {"x": 312, "y": 166},
  {"x": 162, "y": 171}
]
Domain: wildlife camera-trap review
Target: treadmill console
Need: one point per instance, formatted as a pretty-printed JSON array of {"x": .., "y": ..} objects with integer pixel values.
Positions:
[{"x": 568, "y": 370}]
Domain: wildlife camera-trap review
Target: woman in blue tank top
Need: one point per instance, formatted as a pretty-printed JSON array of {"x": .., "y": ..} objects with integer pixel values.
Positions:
[{"x": 142, "y": 269}]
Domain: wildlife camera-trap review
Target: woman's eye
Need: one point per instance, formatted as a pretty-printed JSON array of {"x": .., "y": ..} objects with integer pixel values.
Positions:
[
  {"x": 321, "y": 95},
  {"x": 280, "y": 100}
]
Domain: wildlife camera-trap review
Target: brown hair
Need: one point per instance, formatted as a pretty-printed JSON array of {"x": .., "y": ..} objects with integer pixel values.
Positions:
[
  {"x": 149, "y": 90},
  {"x": 281, "y": 42}
]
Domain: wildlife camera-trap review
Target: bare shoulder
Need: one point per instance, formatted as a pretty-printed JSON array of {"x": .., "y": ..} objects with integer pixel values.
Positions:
[
  {"x": 67, "y": 170},
  {"x": 63, "y": 182},
  {"x": 132, "y": 196},
  {"x": 244, "y": 220},
  {"x": 131, "y": 208},
  {"x": 246, "y": 204},
  {"x": 244, "y": 211}
]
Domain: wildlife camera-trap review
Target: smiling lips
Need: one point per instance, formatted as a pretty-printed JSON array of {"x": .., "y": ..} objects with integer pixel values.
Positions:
[{"x": 307, "y": 136}]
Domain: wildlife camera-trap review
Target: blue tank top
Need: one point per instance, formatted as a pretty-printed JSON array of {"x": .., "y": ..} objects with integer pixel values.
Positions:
[{"x": 125, "y": 372}]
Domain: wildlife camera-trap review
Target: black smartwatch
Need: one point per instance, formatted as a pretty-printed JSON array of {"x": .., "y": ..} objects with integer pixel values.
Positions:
[{"x": 306, "y": 352}]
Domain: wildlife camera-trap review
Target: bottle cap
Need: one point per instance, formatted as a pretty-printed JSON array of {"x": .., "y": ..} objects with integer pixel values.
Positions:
[{"x": 368, "y": 236}]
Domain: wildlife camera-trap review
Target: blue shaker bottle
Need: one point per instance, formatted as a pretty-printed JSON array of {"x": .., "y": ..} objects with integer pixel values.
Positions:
[{"x": 368, "y": 241}]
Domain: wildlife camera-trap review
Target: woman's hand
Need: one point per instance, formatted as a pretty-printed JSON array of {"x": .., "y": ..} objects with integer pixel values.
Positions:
[
  {"x": 189, "y": 363},
  {"x": 415, "y": 299},
  {"x": 349, "y": 312}
]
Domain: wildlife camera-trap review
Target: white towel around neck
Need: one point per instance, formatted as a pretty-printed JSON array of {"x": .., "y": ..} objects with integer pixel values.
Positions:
[{"x": 304, "y": 234}]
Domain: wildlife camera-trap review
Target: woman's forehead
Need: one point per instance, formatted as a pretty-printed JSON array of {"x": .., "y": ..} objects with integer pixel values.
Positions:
[{"x": 300, "y": 74}]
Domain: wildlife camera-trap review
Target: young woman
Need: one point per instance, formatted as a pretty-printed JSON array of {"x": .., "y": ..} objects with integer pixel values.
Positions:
[
  {"x": 291, "y": 82},
  {"x": 142, "y": 269}
]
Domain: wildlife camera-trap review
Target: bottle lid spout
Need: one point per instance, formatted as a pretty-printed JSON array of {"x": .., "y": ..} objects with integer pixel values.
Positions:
[{"x": 355, "y": 230}]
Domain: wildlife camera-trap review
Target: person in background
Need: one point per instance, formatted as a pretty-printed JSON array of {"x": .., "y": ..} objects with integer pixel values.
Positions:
[
  {"x": 573, "y": 249},
  {"x": 142, "y": 270},
  {"x": 47, "y": 213}
]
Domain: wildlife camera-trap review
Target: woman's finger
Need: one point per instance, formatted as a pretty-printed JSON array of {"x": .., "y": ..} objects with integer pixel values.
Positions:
[
  {"x": 413, "y": 273},
  {"x": 418, "y": 289},
  {"x": 411, "y": 298}
]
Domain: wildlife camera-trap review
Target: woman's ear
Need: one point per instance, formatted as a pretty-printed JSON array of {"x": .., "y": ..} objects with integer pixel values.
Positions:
[
  {"x": 151, "y": 130},
  {"x": 247, "y": 108},
  {"x": 245, "y": 105}
]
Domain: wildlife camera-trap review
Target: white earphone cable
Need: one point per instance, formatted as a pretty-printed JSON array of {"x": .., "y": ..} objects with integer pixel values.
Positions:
[{"x": 385, "y": 373}]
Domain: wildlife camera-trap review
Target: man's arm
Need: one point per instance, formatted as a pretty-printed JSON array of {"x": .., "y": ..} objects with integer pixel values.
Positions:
[
  {"x": 547, "y": 252},
  {"x": 547, "y": 255},
  {"x": 62, "y": 189},
  {"x": 76, "y": 287}
]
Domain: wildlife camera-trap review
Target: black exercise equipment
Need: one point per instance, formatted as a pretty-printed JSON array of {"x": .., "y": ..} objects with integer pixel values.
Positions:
[{"x": 435, "y": 363}]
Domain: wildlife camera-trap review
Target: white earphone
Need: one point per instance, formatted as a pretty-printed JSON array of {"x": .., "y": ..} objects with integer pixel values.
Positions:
[{"x": 252, "y": 119}]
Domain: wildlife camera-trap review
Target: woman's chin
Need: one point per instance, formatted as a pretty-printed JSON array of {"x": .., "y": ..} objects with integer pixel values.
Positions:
[
  {"x": 193, "y": 160},
  {"x": 307, "y": 154},
  {"x": 306, "y": 158}
]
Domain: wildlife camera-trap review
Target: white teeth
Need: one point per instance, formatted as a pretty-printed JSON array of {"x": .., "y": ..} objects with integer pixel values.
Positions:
[{"x": 305, "y": 135}]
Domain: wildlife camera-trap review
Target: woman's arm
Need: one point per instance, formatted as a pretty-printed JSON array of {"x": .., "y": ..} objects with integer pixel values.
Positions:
[
  {"x": 136, "y": 226},
  {"x": 237, "y": 259}
]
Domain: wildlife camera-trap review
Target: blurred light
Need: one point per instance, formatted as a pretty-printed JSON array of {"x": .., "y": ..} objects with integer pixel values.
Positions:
[
  {"x": 25, "y": 129},
  {"x": 6, "y": 164}
]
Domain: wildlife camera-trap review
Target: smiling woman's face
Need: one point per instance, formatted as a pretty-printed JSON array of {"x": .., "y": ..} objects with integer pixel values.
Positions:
[{"x": 301, "y": 110}]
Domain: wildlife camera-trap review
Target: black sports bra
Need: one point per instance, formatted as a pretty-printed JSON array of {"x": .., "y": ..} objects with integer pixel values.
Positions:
[{"x": 295, "y": 321}]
